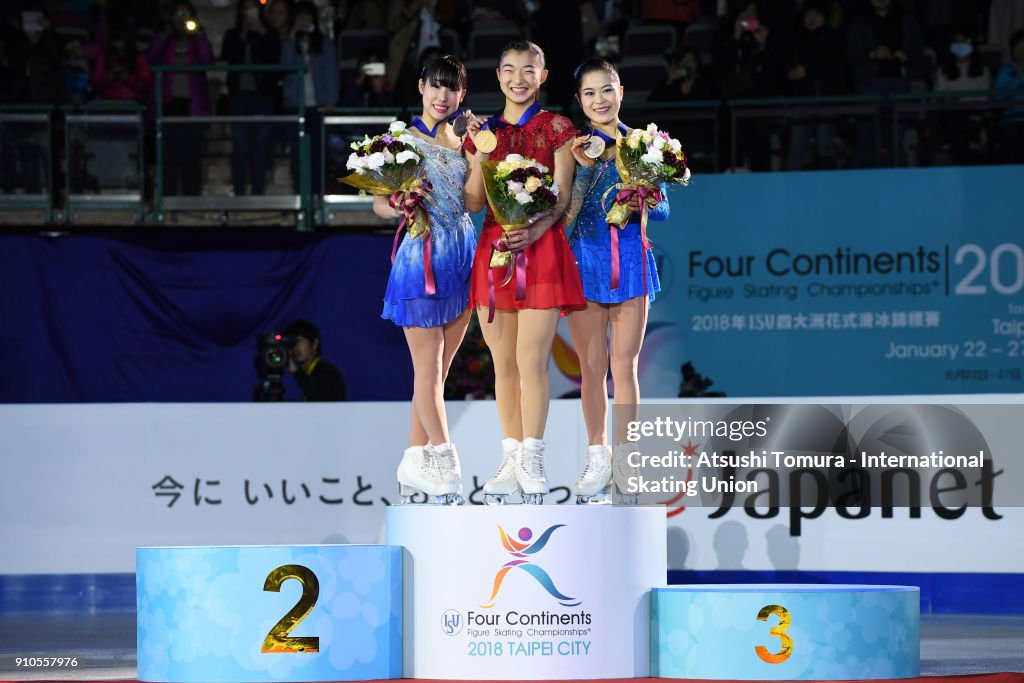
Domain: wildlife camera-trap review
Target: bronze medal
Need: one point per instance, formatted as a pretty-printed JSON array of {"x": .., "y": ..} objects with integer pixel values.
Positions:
[{"x": 460, "y": 125}]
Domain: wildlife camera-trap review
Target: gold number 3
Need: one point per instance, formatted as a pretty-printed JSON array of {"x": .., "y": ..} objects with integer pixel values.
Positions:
[
  {"x": 779, "y": 632},
  {"x": 278, "y": 639}
]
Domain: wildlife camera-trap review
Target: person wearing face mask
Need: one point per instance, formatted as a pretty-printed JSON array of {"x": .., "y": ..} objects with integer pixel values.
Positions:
[
  {"x": 954, "y": 135},
  {"x": 250, "y": 41},
  {"x": 308, "y": 45},
  {"x": 183, "y": 43}
]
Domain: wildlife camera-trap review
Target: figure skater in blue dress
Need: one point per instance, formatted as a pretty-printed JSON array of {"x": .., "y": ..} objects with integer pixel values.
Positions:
[
  {"x": 434, "y": 321},
  {"x": 621, "y": 310}
]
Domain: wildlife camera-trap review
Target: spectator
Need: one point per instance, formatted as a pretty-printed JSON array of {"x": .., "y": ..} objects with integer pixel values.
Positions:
[
  {"x": 1005, "y": 17},
  {"x": 75, "y": 72},
  {"x": 817, "y": 68},
  {"x": 250, "y": 41},
  {"x": 1011, "y": 77},
  {"x": 278, "y": 17},
  {"x": 749, "y": 65},
  {"x": 684, "y": 80},
  {"x": 34, "y": 74},
  {"x": 368, "y": 86},
  {"x": 883, "y": 51},
  {"x": 413, "y": 28},
  {"x": 183, "y": 43},
  {"x": 309, "y": 46},
  {"x": 319, "y": 379},
  {"x": 121, "y": 71},
  {"x": 956, "y": 133}
]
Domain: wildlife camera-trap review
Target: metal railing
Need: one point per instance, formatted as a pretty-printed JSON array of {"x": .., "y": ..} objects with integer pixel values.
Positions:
[
  {"x": 301, "y": 203},
  {"x": 703, "y": 122}
]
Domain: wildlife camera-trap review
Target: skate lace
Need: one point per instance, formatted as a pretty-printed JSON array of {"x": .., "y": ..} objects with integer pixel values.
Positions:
[
  {"x": 445, "y": 463},
  {"x": 534, "y": 465},
  {"x": 594, "y": 465},
  {"x": 429, "y": 465},
  {"x": 508, "y": 463}
]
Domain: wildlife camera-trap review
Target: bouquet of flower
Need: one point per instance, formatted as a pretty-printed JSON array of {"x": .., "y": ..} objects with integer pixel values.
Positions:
[
  {"x": 389, "y": 165},
  {"x": 645, "y": 159},
  {"x": 517, "y": 189}
]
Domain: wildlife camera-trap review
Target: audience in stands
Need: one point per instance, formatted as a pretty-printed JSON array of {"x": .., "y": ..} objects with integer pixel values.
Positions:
[
  {"x": 183, "y": 43},
  {"x": 121, "y": 71},
  {"x": 319, "y": 91},
  {"x": 1011, "y": 77},
  {"x": 684, "y": 80},
  {"x": 250, "y": 42},
  {"x": 816, "y": 68}
]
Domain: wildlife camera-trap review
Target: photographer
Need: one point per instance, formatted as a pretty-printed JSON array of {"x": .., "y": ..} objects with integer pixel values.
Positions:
[{"x": 318, "y": 379}]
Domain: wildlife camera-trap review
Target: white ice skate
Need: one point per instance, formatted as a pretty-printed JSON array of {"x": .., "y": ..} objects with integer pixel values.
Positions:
[
  {"x": 504, "y": 483},
  {"x": 594, "y": 485},
  {"x": 418, "y": 473},
  {"x": 530, "y": 471},
  {"x": 622, "y": 473},
  {"x": 447, "y": 460}
]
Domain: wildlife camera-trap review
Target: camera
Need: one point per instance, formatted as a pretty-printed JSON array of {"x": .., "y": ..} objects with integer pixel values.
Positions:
[{"x": 271, "y": 362}]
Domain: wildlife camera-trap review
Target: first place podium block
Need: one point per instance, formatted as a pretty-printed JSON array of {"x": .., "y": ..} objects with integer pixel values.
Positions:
[
  {"x": 269, "y": 613},
  {"x": 528, "y": 592}
]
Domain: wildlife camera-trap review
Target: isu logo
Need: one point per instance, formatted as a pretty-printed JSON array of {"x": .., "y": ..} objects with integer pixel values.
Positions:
[{"x": 523, "y": 548}]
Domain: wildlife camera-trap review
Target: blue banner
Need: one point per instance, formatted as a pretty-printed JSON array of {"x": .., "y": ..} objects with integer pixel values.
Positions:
[{"x": 841, "y": 283}]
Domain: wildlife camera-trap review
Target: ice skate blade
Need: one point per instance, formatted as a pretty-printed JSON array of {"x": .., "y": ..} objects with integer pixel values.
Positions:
[
  {"x": 601, "y": 498},
  {"x": 627, "y": 499},
  {"x": 500, "y": 498},
  {"x": 533, "y": 498}
]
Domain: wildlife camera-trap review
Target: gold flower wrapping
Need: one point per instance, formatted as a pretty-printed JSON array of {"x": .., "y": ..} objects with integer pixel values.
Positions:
[
  {"x": 510, "y": 216},
  {"x": 619, "y": 213},
  {"x": 417, "y": 221}
]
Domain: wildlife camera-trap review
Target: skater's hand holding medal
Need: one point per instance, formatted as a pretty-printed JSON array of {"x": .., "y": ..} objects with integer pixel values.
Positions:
[
  {"x": 588, "y": 149},
  {"x": 483, "y": 139},
  {"x": 645, "y": 158}
]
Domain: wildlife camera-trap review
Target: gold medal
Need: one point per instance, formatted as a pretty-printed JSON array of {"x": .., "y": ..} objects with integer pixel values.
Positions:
[
  {"x": 486, "y": 141},
  {"x": 594, "y": 147}
]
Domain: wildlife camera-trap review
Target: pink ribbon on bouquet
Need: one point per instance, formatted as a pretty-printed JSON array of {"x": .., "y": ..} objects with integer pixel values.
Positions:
[
  {"x": 649, "y": 196},
  {"x": 408, "y": 203},
  {"x": 516, "y": 268}
]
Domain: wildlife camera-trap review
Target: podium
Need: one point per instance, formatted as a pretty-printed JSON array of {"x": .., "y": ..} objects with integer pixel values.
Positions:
[
  {"x": 785, "y": 632},
  {"x": 528, "y": 592},
  {"x": 269, "y": 613}
]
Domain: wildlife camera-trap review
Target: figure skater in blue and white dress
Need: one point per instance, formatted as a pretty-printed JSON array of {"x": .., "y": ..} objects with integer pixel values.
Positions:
[
  {"x": 432, "y": 306},
  {"x": 620, "y": 310}
]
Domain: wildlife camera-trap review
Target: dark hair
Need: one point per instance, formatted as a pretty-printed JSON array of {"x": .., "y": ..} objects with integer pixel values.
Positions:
[
  {"x": 949, "y": 67},
  {"x": 445, "y": 71},
  {"x": 303, "y": 328},
  {"x": 520, "y": 45},
  {"x": 590, "y": 66},
  {"x": 125, "y": 34},
  {"x": 240, "y": 14},
  {"x": 316, "y": 39}
]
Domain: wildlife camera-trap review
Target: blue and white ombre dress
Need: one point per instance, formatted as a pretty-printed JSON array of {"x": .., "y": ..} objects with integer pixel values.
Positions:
[
  {"x": 452, "y": 244},
  {"x": 591, "y": 242}
]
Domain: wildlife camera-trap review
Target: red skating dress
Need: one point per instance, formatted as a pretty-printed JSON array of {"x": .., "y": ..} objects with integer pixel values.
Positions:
[{"x": 552, "y": 279}]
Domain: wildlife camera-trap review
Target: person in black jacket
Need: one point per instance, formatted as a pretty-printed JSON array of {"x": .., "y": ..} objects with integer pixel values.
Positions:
[
  {"x": 817, "y": 68},
  {"x": 318, "y": 379},
  {"x": 250, "y": 42}
]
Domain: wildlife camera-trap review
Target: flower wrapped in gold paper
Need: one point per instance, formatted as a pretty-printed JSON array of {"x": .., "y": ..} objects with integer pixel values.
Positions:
[
  {"x": 386, "y": 165},
  {"x": 517, "y": 189},
  {"x": 645, "y": 159}
]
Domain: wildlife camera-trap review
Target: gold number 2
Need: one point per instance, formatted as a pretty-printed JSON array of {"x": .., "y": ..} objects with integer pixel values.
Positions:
[
  {"x": 779, "y": 632},
  {"x": 278, "y": 639}
]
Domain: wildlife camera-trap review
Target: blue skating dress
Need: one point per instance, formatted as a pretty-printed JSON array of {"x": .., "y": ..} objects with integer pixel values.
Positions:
[
  {"x": 452, "y": 243},
  {"x": 591, "y": 243}
]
